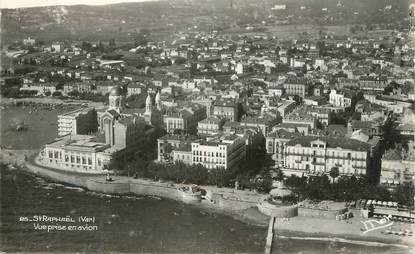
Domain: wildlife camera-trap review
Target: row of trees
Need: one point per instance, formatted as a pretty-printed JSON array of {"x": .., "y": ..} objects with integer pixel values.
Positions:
[
  {"x": 15, "y": 92},
  {"x": 88, "y": 96},
  {"x": 180, "y": 172},
  {"x": 348, "y": 189}
]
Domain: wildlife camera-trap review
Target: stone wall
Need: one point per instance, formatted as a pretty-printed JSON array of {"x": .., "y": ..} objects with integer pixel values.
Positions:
[
  {"x": 319, "y": 213},
  {"x": 115, "y": 187},
  {"x": 56, "y": 175},
  {"x": 234, "y": 204},
  {"x": 278, "y": 211},
  {"x": 123, "y": 185},
  {"x": 159, "y": 190}
]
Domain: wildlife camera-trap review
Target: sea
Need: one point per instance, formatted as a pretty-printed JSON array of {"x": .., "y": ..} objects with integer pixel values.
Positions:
[{"x": 38, "y": 215}]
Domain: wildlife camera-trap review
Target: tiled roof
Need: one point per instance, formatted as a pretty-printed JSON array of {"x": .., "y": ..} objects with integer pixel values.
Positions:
[
  {"x": 393, "y": 155},
  {"x": 344, "y": 143},
  {"x": 281, "y": 133},
  {"x": 356, "y": 124}
]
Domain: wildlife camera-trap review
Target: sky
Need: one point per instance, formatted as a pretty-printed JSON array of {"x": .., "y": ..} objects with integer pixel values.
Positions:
[{"x": 35, "y": 3}]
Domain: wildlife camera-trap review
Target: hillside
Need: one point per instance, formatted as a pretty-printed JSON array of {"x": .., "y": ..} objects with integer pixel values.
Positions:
[{"x": 121, "y": 21}]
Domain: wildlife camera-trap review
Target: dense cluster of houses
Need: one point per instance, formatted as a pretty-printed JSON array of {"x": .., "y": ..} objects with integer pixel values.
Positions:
[{"x": 218, "y": 96}]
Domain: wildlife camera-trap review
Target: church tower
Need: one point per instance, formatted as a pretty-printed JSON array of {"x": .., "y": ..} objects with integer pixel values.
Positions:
[
  {"x": 149, "y": 105},
  {"x": 116, "y": 99},
  {"x": 158, "y": 101}
]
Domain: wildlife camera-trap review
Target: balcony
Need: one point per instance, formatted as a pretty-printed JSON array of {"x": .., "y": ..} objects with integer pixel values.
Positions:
[{"x": 318, "y": 163}]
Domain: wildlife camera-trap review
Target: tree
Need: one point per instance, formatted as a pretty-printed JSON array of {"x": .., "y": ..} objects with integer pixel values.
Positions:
[
  {"x": 56, "y": 94},
  {"x": 334, "y": 173},
  {"x": 218, "y": 177},
  {"x": 404, "y": 194},
  {"x": 116, "y": 165},
  {"x": 279, "y": 176},
  {"x": 140, "y": 39},
  {"x": 112, "y": 44},
  {"x": 264, "y": 184},
  {"x": 86, "y": 46},
  {"x": 73, "y": 93},
  {"x": 390, "y": 134}
]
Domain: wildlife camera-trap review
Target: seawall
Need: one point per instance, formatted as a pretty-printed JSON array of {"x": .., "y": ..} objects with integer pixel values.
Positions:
[
  {"x": 58, "y": 176},
  {"x": 226, "y": 201}
]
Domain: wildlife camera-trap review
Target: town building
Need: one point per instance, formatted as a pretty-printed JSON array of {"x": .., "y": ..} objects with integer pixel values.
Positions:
[
  {"x": 398, "y": 166},
  {"x": 263, "y": 124},
  {"x": 210, "y": 125},
  {"x": 78, "y": 153},
  {"x": 219, "y": 151},
  {"x": 222, "y": 152},
  {"x": 184, "y": 118},
  {"x": 78, "y": 122},
  {"x": 226, "y": 109},
  {"x": 275, "y": 144},
  {"x": 340, "y": 99},
  {"x": 312, "y": 155},
  {"x": 134, "y": 89},
  {"x": 301, "y": 116},
  {"x": 297, "y": 86}
]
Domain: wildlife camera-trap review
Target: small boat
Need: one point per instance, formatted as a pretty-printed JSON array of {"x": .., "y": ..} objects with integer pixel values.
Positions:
[{"x": 20, "y": 127}]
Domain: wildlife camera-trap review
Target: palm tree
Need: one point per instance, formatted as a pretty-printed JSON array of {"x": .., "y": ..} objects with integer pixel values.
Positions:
[{"x": 334, "y": 172}]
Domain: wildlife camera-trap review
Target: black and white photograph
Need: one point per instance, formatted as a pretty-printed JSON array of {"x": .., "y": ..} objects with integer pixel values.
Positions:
[{"x": 207, "y": 126}]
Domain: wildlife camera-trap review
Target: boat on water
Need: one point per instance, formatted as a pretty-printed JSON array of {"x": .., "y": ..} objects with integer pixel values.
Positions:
[{"x": 21, "y": 127}]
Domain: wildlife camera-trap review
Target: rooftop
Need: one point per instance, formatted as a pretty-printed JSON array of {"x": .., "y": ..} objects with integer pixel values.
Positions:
[{"x": 332, "y": 142}]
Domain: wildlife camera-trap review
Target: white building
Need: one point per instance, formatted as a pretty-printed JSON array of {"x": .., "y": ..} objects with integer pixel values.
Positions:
[
  {"x": 223, "y": 152},
  {"x": 209, "y": 125},
  {"x": 311, "y": 155},
  {"x": 398, "y": 166},
  {"x": 340, "y": 99},
  {"x": 214, "y": 152},
  {"x": 79, "y": 153},
  {"x": 80, "y": 121}
]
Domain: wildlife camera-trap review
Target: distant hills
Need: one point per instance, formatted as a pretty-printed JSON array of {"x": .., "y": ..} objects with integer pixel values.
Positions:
[{"x": 82, "y": 21}]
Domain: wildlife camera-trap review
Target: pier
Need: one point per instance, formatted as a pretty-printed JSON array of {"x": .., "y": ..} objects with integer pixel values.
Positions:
[{"x": 270, "y": 236}]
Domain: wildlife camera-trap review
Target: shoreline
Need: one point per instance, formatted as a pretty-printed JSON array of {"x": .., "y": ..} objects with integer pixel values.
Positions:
[
  {"x": 250, "y": 216},
  {"x": 48, "y": 101}
]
